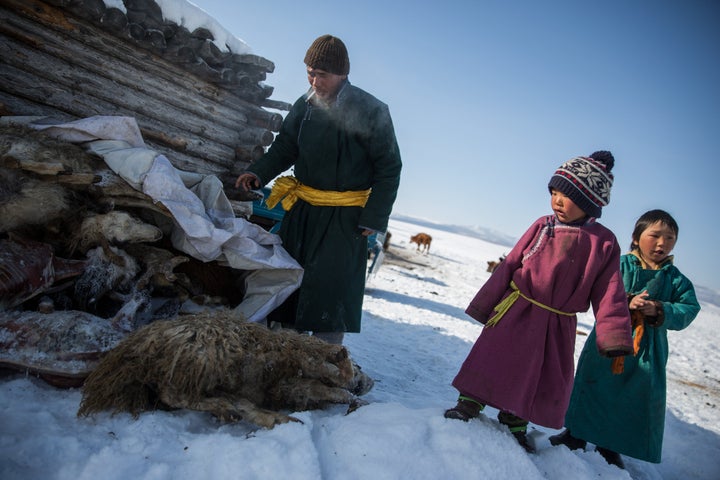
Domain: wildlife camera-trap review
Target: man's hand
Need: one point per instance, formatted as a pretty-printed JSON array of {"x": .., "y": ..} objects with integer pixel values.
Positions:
[{"x": 247, "y": 181}]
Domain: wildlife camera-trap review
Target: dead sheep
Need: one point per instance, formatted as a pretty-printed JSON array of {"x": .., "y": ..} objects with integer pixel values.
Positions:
[
  {"x": 106, "y": 271},
  {"x": 216, "y": 363},
  {"x": 25, "y": 201},
  {"x": 114, "y": 227}
]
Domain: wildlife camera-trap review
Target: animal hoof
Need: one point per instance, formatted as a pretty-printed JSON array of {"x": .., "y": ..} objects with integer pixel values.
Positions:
[{"x": 354, "y": 405}]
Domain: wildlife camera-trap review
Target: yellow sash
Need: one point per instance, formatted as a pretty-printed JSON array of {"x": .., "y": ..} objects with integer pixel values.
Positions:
[
  {"x": 502, "y": 307},
  {"x": 287, "y": 190}
]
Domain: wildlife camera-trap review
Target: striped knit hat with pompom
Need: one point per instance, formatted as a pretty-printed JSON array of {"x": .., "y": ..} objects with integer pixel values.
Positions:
[{"x": 586, "y": 181}]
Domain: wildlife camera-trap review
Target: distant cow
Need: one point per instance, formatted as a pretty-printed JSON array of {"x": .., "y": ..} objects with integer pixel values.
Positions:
[
  {"x": 423, "y": 241},
  {"x": 492, "y": 264},
  {"x": 386, "y": 242}
]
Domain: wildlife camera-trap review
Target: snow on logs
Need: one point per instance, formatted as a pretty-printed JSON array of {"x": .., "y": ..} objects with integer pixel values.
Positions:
[{"x": 204, "y": 108}]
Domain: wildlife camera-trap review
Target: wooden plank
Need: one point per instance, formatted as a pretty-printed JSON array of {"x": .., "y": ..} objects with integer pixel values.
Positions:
[
  {"x": 61, "y": 92},
  {"x": 95, "y": 62},
  {"x": 61, "y": 72},
  {"x": 180, "y": 160},
  {"x": 15, "y": 105},
  {"x": 62, "y": 96}
]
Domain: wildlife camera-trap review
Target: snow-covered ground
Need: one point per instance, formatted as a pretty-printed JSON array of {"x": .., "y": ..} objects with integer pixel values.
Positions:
[{"x": 415, "y": 336}]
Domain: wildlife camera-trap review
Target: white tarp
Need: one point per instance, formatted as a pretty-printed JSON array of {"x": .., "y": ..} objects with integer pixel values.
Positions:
[{"x": 205, "y": 224}]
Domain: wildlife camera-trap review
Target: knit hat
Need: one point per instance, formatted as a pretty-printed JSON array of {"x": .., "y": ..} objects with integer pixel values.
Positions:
[
  {"x": 586, "y": 181},
  {"x": 328, "y": 53}
]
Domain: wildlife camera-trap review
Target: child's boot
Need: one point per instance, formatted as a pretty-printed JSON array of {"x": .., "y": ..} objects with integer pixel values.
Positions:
[
  {"x": 613, "y": 458},
  {"x": 518, "y": 427},
  {"x": 565, "y": 438},
  {"x": 465, "y": 409},
  {"x": 523, "y": 440}
]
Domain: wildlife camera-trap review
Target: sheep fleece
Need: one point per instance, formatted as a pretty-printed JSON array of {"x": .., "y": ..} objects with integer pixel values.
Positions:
[{"x": 216, "y": 363}]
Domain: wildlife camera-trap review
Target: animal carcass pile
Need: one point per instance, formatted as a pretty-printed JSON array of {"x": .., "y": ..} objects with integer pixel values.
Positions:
[
  {"x": 86, "y": 260},
  {"x": 75, "y": 236}
]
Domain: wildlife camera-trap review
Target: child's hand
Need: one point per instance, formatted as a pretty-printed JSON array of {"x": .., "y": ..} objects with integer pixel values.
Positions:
[
  {"x": 641, "y": 302},
  {"x": 652, "y": 310}
]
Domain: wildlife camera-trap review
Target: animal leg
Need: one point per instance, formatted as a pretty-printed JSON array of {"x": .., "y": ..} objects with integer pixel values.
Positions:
[
  {"x": 250, "y": 412},
  {"x": 228, "y": 410},
  {"x": 309, "y": 393}
]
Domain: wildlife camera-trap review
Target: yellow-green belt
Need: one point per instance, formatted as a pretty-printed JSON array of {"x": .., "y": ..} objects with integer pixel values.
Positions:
[
  {"x": 502, "y": 307},
  {"x": 287, "y": 190}
]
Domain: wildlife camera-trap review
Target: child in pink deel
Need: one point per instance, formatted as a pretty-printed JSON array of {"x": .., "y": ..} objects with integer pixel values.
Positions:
[{"x": 523, "y": 361}]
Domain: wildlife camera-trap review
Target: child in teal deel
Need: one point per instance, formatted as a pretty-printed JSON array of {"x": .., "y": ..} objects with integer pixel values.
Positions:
[{"x": 619, "y": 404}]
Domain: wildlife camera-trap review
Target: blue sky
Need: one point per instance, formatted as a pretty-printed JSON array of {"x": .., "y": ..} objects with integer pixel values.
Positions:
[{"x": 488, "y": 98}]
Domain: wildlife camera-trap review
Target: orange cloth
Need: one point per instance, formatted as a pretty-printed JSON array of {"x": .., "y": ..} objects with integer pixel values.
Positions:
[{"x": 638, "y": 326}]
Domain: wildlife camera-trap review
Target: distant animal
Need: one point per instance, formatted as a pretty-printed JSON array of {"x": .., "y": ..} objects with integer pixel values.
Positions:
[
  {"x": 386, "y": 242},
  {"x": 423, "y": 241},
  {"x": 492, "y": 264},
  {"x": 217, "y": 363}
]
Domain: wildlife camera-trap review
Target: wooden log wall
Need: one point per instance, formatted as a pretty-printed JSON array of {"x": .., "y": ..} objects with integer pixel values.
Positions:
[{"x": 203, "y": 108}]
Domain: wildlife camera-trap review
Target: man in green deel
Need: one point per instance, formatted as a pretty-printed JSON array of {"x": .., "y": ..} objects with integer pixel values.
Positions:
[{"x": 341, "y": 142}]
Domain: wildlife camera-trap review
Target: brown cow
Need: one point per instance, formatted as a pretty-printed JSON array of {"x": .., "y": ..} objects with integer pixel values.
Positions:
[
  {"x": 386, "y": 242},
  {"x": 492, "y": 264},
  {"x": 423, "y": 240}
]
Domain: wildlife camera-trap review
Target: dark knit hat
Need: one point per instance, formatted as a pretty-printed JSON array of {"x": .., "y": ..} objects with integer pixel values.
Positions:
[
  {"x": 586, "y": 181},
  {"x": 328, "y": 53}
]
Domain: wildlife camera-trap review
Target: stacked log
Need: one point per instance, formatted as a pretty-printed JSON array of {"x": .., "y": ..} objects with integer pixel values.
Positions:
[{"x": 203, "y": 108}]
